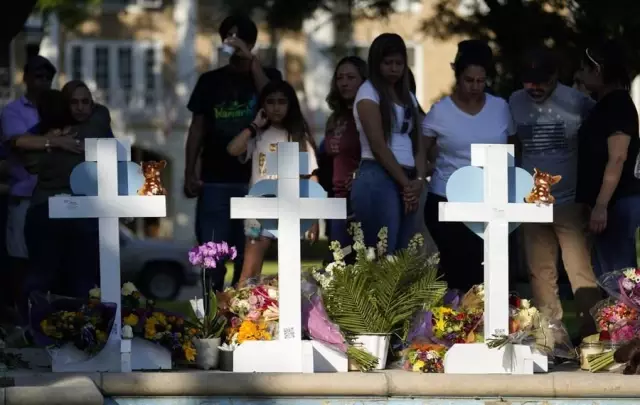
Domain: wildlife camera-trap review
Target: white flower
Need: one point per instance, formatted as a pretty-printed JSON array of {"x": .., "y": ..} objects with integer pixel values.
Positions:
[
  {"x": 128, "y": 289},
  {"x": 273, "y": 293},
  {"x": 94, "y": 293},
  {"x": 391, "y": 258},
  {"x": 525, "y": 304},
  {"x": 226, "y": 347},
  {"x": 127, "y": 332},
  {"x": 359, "y": 246},
  {"x": 371, "y": 254}
]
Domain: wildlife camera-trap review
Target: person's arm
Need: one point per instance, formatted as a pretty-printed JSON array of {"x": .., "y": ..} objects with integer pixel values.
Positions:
[
  {"x": 194, "y": 144},
  {"x": 421, "y": 159},
  {"x": 313, "y": 163},
  {"x": 240, "y": 143},
  {"x": 618, "y": 145},
  {"x": 12, "y": 126},
  {"x": 371, "y": 121},
  {"x": 430, "y": 137}
]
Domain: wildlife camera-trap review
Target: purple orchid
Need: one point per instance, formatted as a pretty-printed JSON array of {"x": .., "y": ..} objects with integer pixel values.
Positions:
[{"x": 210, "y": 254}]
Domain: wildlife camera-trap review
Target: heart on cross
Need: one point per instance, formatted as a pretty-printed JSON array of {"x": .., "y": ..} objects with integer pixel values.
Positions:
[
  {"x": 467, "y": 185},
  {"x": 269, "y": 189},
  {"x": 84, "y": 178}
]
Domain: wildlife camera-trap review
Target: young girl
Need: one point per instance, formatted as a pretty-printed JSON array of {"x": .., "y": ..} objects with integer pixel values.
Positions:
[{"x": 279, "y": 120}]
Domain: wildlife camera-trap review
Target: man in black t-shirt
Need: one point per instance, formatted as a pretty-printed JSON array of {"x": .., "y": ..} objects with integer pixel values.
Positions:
[{"x": 223, "y": 103}]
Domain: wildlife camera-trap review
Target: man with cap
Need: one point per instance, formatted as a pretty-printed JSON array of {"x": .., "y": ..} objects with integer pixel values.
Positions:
[
  {"x": 223, "y": 103},
  {"x": 548, "y": 115},
  {"x": 17, "y": 118}
]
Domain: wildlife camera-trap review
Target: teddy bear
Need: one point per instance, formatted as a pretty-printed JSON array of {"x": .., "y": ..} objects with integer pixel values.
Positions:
[
  {"x": 629, "y": 353},
  {"x": 541, "y": 191},
  {"x": 152, "y": 181}
]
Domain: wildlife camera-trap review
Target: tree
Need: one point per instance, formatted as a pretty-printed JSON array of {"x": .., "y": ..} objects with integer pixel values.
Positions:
[
  {"x": 70, "y": 12},
  {"x": 512, "y": 26}
]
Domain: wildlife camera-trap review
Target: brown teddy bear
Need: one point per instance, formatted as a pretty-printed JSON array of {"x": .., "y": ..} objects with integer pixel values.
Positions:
[
  {"x": 152, "y": 181},
  {"x": 629, "y": 353}
]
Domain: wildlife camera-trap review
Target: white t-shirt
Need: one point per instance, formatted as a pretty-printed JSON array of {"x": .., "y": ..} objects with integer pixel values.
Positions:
[
  {"x": 400, "y": 142},
  {"x": 455, "y": 131},
  {"x": 265, "y": 142}
]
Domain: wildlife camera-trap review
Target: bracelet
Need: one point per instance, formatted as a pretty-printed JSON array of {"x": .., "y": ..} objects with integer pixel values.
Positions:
[{"x": 253, "y": 129}]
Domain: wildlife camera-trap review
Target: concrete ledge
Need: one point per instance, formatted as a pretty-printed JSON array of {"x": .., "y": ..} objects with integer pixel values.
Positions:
[{"x": 69, "y": 391}]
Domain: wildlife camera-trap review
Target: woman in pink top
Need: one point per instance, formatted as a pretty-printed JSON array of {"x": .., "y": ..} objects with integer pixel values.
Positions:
[{"x": 341, "y": 141}]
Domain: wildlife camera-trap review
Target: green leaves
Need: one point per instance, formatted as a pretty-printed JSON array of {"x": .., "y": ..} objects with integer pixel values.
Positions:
[
  {"x": 213, "y": 324},
  {"x": 381, "y": 296},
  {"x": 70, "y": 12}
]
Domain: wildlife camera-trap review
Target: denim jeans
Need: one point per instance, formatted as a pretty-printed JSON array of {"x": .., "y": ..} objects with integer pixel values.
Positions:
[
  {"x": 214, "y": 223},
  {"x": 377, "y": 202},
  {"x": 64, "y": 254},
  {"x": 615, "y": 248}
]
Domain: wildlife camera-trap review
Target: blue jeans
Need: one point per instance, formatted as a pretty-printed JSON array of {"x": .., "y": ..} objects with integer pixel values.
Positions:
[
  {"x": 377, "y": 202},
  {"x": 615, "y": 248},
  {"x": 214, "y": 223}
]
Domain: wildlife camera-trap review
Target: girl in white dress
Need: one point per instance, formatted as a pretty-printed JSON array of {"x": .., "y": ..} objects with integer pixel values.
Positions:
[{"x": 278, "y": 120}]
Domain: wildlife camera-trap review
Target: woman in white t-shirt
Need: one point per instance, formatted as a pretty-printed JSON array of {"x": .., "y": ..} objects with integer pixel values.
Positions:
[
  {"x": 469, "y": 115},
  {"x": 388, "y": 184},
  {"x": 279, "y": 120}
]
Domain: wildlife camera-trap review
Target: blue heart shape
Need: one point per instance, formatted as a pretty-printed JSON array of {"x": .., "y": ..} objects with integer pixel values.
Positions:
[
  {"x": 467, "y": 185},
  {"x": 308, "y": 189},
  {"x": 84, "y": 177}
]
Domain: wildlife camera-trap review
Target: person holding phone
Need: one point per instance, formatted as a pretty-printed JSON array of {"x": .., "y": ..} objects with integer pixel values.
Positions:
[
  {"x": 223, "y": 102},
  {"x": 279, "y": 120}
]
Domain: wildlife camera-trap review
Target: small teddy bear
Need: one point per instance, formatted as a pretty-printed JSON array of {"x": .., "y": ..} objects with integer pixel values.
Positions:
[
  {"x": 152, "y": 181},
  {"x": 541, "y": 191}
]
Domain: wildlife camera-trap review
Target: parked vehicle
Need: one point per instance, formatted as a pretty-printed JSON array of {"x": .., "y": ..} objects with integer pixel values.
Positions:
[{"x": 159, "y": 268}]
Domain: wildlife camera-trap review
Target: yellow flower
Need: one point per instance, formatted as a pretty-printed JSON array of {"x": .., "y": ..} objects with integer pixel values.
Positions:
[
  {"x": 150, "y": 328},
  {"x": 418, "y": 365},
  {"x": 160, "y": 317},
  {"x": 189, "y": 352},
  {"x": 131, "y": 320},
  {"x": 101, "y": 336}
]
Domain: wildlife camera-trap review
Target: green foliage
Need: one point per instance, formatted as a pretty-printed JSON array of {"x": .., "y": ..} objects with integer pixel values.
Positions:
[
  {"x": 213, "y": 324},
  {"x": 379, "y": 296},
  {"x": 70, "y": 12},
  {"x": 512, "y": 26}
]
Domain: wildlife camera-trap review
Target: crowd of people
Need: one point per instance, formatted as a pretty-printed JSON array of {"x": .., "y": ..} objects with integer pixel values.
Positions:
[
  {"x": 43, "y": 135},
  {"x": 381, "y": 152},
  {"x": 390, "y": 159}
]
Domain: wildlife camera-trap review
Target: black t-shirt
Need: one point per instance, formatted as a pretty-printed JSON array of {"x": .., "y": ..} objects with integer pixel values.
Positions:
[
  {"x": 614, "y": 113},
  {"x": 228, "y": 101}
]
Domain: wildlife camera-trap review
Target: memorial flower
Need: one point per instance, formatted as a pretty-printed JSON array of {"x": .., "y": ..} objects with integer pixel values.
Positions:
[{"x": 424, "y": 358}]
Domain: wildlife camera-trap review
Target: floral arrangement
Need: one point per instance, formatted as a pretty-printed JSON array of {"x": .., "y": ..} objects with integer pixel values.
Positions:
[
  {"x": 615, "y": 320},
  {"x": 424, "y": 358},
  {"x": 140, "y": 318},
  {"x": 451, "y": 326},
  {"x": 85, "y": 324},
  {"x": 252, "y": 312},
  {"x": 629, "y": 283}
]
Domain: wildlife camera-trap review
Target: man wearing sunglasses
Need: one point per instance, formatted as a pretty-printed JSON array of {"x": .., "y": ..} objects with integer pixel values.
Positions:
[{"x": 17, "y": 118}]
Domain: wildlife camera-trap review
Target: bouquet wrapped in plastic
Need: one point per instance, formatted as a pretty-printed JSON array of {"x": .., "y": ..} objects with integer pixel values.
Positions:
[
  {"x": 57, "y": 321},
  {"x": 623, "y": 285}
]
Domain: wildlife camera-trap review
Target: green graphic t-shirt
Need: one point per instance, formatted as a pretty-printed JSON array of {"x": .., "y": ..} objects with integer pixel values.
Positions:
[{"x": 227, "y": 99}]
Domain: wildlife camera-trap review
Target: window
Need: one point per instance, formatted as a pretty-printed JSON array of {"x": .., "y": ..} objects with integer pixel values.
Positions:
[
  {"x": 122, "y": 74},
  {"x": 407, "y": 6}
]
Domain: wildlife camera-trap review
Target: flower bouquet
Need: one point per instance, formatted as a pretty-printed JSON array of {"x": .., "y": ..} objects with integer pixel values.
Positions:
[
  {"x": 424, "y": 358},
  {"x": 617, "y": 323},
  {"x": 525, "y": 325},
  {"x": 57, "y": 321}
]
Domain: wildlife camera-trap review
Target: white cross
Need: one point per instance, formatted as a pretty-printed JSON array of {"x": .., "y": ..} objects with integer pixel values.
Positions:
[
  {"x": 496, "y": 212},
  {"x": 109, "y": 207},
  {"x": 288, "y": 208}
]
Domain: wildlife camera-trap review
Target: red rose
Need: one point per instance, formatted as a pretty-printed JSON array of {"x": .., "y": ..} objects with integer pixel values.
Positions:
[
  {"x": 514, "y": 301},
  {"x": 605, "y": 336}
]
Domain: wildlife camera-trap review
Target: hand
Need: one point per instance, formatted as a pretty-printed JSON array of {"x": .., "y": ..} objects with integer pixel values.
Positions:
[
  {"x": 411, "y": 195},
  {"x": 598, "y": 220},
  {"x": 260, "y": 120},
  {"x": 312, "y": 233},
  {"x": 192, "y": 186},
  {"x": 68, "y": 143},
  {"x": 53, "y": 132},
  {"x": 348, "y": 182},
  {"x": 242, "y": 50}
]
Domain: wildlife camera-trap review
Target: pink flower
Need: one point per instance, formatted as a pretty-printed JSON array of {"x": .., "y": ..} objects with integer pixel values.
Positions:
[
  {"x": 195, "y": 256},
  {"x": 627, "y": 284},
  {"x": 253, "y": 300},
  {"x": 623, "y": 334},
  {"x": 235, "y": 322},
  {"x": 253, "y": 315},
  {"x": 209, "y": 263}
]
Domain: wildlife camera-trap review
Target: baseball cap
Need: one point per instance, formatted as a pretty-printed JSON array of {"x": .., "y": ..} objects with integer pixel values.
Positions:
[
  {"x": 38, "y": 62},
  {"x": 539, "y": 66}
]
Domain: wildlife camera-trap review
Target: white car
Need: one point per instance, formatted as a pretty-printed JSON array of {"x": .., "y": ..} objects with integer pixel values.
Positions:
[{"x": 159, "y": 268}]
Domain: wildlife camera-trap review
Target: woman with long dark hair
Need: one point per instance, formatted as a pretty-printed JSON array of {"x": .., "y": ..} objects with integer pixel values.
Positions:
[
  {"x": 387, "y": 186},
  {"x": 608, "y": 147},
  {"x": 469, "y": 115},
  {"x": 341, "y": 141},
  {"x": 278, "y": 120}
]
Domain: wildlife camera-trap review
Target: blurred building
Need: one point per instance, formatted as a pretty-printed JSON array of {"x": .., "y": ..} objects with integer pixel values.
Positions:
[{"x": 142, "y": 58}]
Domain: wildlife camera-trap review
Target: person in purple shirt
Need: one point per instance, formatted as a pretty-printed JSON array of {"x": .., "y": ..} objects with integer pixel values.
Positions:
[{"x": 17, "y": 118}]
